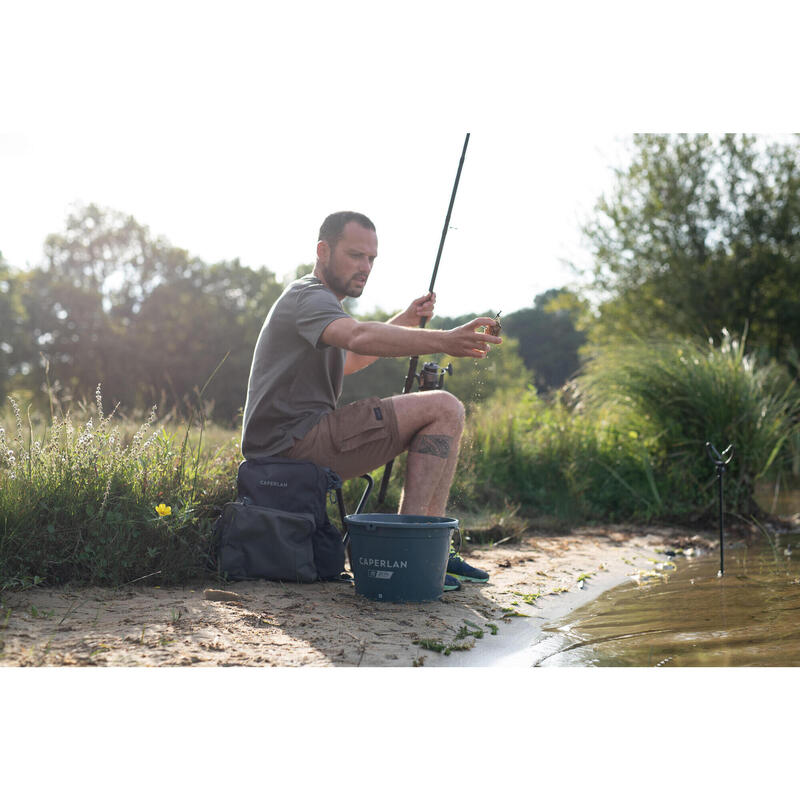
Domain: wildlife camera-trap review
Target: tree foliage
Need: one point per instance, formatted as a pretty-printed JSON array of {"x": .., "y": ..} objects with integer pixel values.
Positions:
[
  {"x": 112, "y": 304},
  {"x": 549, "y": 337},
  {"x": 701, "y": 234},
  {"x": 116, "y": 306},
  {"x": 12, "y": 342}
]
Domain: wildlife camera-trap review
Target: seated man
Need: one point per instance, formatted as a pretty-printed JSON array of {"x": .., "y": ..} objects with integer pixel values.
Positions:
[{"x": 306, "y": 346}]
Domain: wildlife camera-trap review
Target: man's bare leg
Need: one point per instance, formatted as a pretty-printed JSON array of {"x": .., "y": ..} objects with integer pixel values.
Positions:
[{"x": 430, "y": 426}]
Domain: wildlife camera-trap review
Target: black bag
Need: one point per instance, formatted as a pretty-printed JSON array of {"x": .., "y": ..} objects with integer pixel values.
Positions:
[{"x": 279, "y": 528}]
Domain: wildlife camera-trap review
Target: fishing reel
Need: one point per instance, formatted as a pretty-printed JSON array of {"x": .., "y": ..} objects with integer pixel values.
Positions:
[{"x": 432, "y": 376}]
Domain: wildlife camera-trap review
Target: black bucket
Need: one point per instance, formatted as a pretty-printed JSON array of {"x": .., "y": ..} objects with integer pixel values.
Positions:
[{"x": 399, "y": 558}]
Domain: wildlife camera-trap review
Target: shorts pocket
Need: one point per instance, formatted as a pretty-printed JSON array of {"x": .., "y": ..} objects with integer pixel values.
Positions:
[{"x": 360, "y": 423}]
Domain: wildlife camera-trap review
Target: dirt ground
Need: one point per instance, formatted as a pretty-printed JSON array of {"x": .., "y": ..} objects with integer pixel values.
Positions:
[{"x": 260, "y": 623}]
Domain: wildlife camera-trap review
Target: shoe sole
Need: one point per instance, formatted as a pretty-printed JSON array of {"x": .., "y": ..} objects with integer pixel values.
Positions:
[
  {"x": 451, "y": 588},
  {"x": 464, "y": 578}
]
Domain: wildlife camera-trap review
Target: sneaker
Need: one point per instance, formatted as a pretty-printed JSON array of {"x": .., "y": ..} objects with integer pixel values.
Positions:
[
  {"x": 458, "y": 568},
  {"x": 451, "y": 583}
]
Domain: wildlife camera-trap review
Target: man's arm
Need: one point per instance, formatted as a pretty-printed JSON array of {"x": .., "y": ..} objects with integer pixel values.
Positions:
[
  {"x": 384, "y": 339},
  {"x": 410, "y": 318}
]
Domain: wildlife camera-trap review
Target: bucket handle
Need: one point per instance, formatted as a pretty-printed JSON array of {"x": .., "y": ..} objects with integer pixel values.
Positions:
[{"x": 361, "y": 503}]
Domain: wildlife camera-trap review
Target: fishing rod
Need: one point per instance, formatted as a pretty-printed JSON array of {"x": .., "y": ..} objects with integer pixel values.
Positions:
[{"x": 414, "y": 361}]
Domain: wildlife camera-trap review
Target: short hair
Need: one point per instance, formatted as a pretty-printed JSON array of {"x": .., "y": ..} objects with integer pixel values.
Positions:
[{"x": 333, "y": 226}]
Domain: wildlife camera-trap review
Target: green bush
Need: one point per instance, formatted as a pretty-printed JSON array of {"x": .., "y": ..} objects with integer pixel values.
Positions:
[
  {"x": 627, "y": 441},
  {"x": 682, "y": 395}
]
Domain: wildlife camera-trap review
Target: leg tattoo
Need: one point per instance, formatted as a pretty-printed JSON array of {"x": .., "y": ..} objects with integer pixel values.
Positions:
[{"x": 427, "y": 444}]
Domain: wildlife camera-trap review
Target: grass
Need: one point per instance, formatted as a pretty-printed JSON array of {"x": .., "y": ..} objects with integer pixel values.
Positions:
[
  {"x": 682, "y": 395},
  {"x": 78, "y": 500},
  {"x": 92, "y": 497},
  {"x": 626, "y": 441},
  {"x": 553, "y": 459}
]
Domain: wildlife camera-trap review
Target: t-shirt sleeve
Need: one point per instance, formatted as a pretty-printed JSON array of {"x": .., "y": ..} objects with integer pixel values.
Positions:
[{"x": 317, "y": 307}]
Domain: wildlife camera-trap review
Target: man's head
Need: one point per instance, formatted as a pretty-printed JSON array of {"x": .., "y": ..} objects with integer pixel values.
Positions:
[
  {"x": 333, "y": 226},
  {"x": 346, "y": 250}
]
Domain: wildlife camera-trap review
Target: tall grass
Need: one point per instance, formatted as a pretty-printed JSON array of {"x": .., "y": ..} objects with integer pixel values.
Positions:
[
  {"x": 627, "y": 441},
  {"x": 79, "y": 500},
  {"x": 682, "y": 395},
  {"x": 554, "y": 460}
]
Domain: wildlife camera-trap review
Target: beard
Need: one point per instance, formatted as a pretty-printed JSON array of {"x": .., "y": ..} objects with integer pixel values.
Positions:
[{"x": 339, "y": 286}]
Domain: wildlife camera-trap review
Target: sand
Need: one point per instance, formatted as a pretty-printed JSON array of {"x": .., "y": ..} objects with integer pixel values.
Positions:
[{"x": 540, "y": 574}]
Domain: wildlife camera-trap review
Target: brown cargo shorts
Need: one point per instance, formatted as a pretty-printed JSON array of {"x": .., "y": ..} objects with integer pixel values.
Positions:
[{"x": 352, "y": 440}]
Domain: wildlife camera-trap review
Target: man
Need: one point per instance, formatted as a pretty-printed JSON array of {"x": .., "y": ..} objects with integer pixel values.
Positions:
[{"x": 306, "y": 346}]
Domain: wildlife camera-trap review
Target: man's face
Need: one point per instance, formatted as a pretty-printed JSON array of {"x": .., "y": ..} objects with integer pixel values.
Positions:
[{"x": 346, "y": 268}]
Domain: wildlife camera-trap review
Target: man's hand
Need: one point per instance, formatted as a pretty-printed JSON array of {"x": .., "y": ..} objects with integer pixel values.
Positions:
[
  {"x": 465, "y": 341},
  {"x": 421, "y": 307}
]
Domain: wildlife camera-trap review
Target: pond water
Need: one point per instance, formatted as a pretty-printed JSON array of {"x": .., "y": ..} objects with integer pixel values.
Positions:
[
  {"x": 781, "y": 498},
  {"x": 690, "y": 617}
]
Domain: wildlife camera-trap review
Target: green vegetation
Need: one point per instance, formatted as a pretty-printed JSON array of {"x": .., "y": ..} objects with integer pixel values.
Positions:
[
  {"x": 626, "y": 440},
  {"x": 110, "y": 502},
  {"x": 677, "y": 396},
  {"x": 596, "y": 408},
  {"x": 700, "y": 234},
  {"x": 106, "y": 502},
  {"x": 445, "y": 648}
]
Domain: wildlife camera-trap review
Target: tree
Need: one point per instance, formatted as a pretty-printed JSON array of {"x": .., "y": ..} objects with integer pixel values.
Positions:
[
  {"x": 109, "y": 253},
  {"x": 549, "y": 337},
  {"x": 12, "y": 326},
  {"x": 116, "y": 306},
  {"x": 187, "y": 329},
  {"x": 701, "y": 234},
  {"x": 82, "y": 302}
]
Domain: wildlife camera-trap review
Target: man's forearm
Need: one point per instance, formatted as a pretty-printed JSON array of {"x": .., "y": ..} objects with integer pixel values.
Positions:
[
  {"x": 382, "y": 339},
  {"x": 388, "y": 339},
  {"x": 356, "y": 362}
]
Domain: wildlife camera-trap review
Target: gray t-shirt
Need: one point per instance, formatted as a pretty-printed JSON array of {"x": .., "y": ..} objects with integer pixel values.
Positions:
[{"x": 295, "y": 379}]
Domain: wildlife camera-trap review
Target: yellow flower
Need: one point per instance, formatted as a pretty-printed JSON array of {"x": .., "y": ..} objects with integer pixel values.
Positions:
[
  {"x": 163, "y": 511},
  {"x": 633, "y": 434}
]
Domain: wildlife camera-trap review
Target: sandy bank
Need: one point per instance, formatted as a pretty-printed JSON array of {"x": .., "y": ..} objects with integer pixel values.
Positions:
[{"x": 542, "y": 575}]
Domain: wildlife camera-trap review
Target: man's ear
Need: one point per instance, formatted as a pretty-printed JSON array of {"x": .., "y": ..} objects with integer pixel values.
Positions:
[{"x": 323, "y": 252}]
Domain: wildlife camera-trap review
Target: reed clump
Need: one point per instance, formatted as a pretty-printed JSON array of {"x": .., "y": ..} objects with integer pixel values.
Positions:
[
  {"x": 682, "y": 395},
  {"x": 626, "y": 440}
]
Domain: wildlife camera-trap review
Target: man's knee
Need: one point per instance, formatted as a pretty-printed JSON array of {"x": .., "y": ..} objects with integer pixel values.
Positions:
[
  {"x": 446, "y": 408},
  {"x": 453, "y": 409},
  {"x": 421, "y": 409}
]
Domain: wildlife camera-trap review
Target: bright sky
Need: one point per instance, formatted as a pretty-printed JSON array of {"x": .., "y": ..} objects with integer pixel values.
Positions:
[{"x": 233, "y": 129}]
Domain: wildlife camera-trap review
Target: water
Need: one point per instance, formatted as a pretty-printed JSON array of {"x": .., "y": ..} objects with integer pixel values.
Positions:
[
  {"x": 782, "y": 499},
  {"x": 690, "y": 617}
]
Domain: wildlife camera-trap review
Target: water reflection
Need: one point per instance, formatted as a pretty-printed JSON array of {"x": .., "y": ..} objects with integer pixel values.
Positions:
[
  {"x": 780, "y": 497},
  {"x": 690, "y": 617}
]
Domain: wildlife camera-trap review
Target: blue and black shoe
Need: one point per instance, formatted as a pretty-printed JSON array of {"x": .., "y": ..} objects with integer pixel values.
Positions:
[
  {"x": 451, "y": 584},
  {"x": 459, "y": 569}
]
